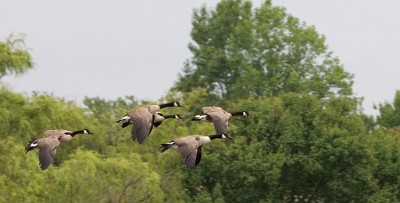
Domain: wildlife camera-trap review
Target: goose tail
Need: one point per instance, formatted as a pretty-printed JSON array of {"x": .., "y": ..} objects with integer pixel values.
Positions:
[
  {"x": 200, "y": 118},
  {"x": 32, "y": 145},
  {"x": 167, "y": 146}
]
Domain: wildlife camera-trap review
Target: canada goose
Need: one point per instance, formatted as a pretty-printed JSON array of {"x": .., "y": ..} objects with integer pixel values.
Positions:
[
  {"x": 218, "y": 116},
  {"x": 49, "y": 143},
  {"x": 143, "y": 122},
  {"x": 150, "y": 108},
  {"x": 190, "y": 147}
]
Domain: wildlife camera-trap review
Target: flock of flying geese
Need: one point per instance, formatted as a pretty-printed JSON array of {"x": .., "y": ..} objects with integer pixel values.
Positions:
[{"x": 143, "y": 119}]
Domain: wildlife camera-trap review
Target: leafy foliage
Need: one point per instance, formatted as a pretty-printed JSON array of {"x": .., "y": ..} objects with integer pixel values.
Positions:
[
  {"x": 240, "y": 51},
  {"x": 390, "y": 113},
  {"x": 297, "y": 147},
  {"x": 14, "y": 57}
]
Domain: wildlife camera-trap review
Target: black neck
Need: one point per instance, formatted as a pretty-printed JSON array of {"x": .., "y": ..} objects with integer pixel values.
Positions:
[
  {"x": 215, "y": 136},
  {"x": 77, "y": 132},
  {"x": 239, "y": 113},
  {"x": 169, "y": 116},
  {"x": 169, "y": 104}
]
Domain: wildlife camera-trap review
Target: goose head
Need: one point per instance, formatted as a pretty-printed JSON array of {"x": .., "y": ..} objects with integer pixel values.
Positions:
[
  {"x": 226, "y": 136},
  {"x": 177, "y": 116},
  {"x": 124, "y": 120},
  {"x": 86, "y": 131}
]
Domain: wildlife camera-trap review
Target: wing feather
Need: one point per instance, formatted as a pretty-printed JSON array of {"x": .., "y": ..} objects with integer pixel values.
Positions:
[
  {"x": 47, "y": 151},
  {"x": 198, "y": 157},
  {"x": 142, "y": 124},
  {"x": 220, "y": 120},
  {"x": 189, "y": 149}
]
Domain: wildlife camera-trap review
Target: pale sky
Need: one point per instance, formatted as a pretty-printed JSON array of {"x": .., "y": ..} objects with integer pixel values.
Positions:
[{"x": 115, "y": 48}]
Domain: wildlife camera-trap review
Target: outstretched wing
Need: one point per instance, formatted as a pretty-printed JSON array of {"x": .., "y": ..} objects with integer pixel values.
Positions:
[
  {"x": 142, "y": 124},
  {"x": 47, "y": 151},
  {"x": 191, "y": 152},
  {"x": 220, "y": 120}
]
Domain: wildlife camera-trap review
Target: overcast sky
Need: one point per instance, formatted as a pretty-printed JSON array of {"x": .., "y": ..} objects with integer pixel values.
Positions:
[{"x": 115, "y": 48}]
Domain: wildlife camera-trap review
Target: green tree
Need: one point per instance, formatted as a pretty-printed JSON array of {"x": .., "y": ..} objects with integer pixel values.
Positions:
[
  {"x": 88, "y": 177},
  {"x": 14, "y": 57},
  {"x": 386, "y": 170},
  {"x": 11, "y": 120},
  {"x": 389, "y": 114},
  {"x": 89, "y": 168},
  {"x": 240, "y": 51},
  {"x": 294, "y": 147}
]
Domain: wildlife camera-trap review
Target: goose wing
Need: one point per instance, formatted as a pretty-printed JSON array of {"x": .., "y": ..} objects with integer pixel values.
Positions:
[
  {"x": 142, "y": 121},
  {"x": 190, "y": 150},
  {"x": 47, "y": 151},
  {"x": 220, "y": 120}
]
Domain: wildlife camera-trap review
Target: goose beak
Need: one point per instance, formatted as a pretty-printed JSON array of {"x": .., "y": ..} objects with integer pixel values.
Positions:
[
  {"x": 28, "y": 148},
  {"x": 228, "y": 137}
]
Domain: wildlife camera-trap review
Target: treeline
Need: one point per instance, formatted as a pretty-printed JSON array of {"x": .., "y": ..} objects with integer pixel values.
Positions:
[
  {"x": 293, "y": 146},
  {"x": 306, "y": 139}
]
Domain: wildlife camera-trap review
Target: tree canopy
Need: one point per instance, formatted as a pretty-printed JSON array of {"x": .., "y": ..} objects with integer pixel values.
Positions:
[
  {"x": 389, "y": 114},
  {"x": 14, "y": 56},
  {"x": 240, "y": 50}
]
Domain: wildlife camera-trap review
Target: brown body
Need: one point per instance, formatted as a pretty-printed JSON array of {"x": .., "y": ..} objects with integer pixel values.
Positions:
[{"x": 62, "y": 135}]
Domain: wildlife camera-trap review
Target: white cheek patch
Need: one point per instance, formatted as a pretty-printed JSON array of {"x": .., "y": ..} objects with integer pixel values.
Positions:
[
  {"x": 33, "y": 145},
  {"x": 201, "y": 117},
  {"x": 85, "y": 132},
  {"x": 244, "y": 114},
  {"x": 125, "y": 119}
]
